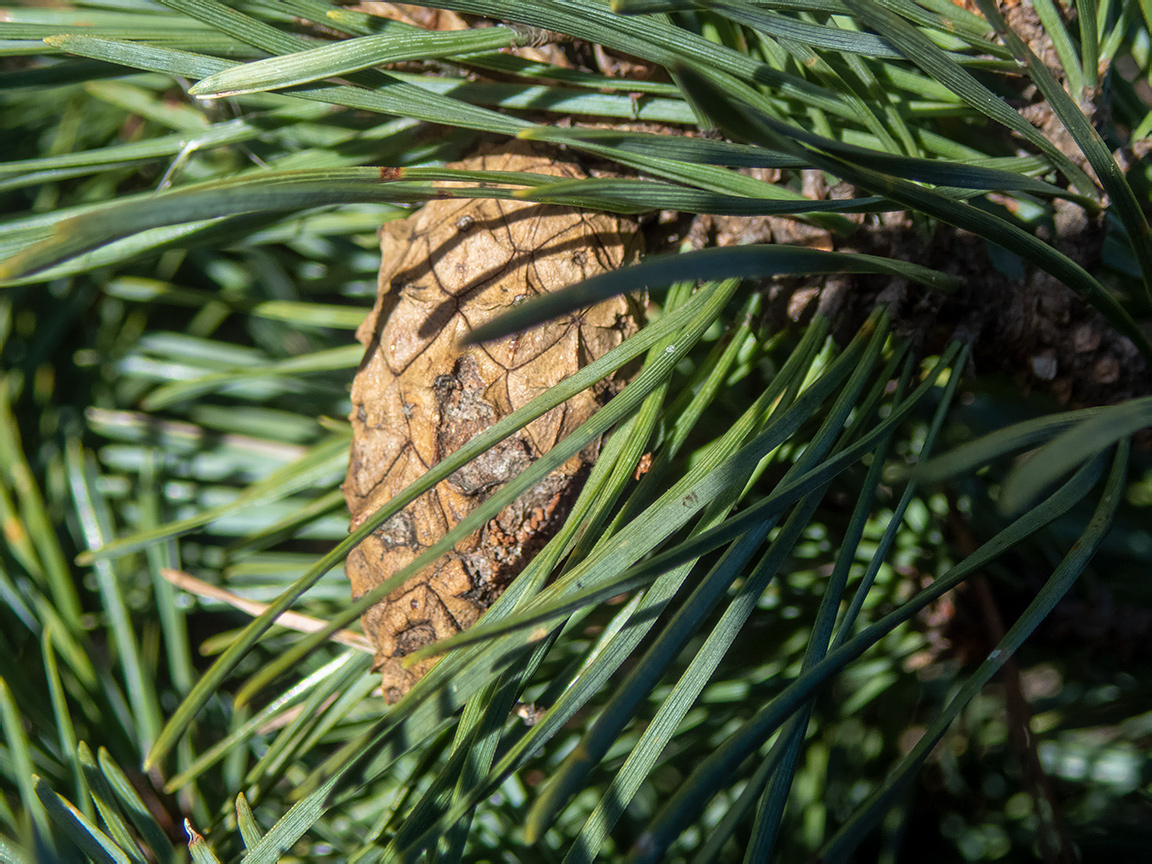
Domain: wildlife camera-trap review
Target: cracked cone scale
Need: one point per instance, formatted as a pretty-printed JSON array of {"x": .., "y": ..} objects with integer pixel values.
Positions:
[{"x": 419, "y": 396}]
